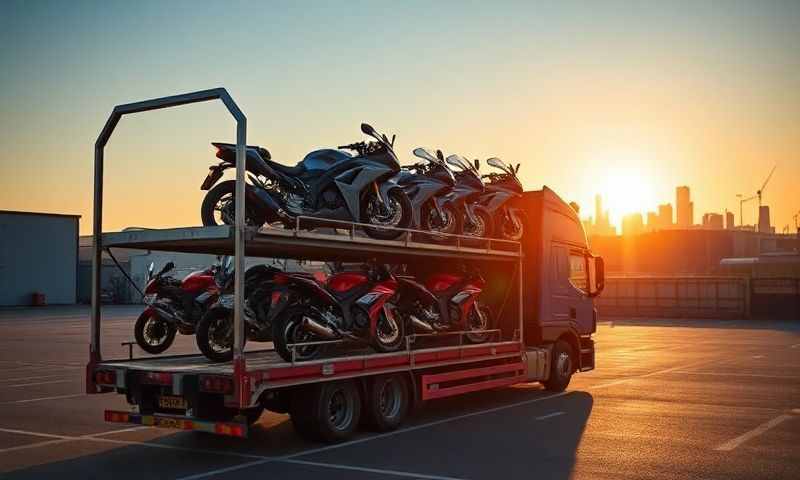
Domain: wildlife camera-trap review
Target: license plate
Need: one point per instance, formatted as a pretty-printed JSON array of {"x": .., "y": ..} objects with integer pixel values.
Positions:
[
  {"x": 172, "y": 403},
  {"x": 168, "y": 423}
]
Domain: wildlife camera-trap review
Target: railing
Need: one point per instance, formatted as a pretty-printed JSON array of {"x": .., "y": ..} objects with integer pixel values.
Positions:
[{"x": 675, "y": 296}]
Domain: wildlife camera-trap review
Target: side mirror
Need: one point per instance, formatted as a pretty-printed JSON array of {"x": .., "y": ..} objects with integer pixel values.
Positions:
[
  {"x": 150, "y": 270},
  {"x": 477, "y": 164},
  {"x": 367, "y": 129},
  {"x": 440, "y": 155},
  {"x": 597, "y": 275}
]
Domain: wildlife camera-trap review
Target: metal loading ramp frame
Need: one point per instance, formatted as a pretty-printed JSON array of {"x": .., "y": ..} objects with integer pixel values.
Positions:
[{"x": 303, "y": 245}]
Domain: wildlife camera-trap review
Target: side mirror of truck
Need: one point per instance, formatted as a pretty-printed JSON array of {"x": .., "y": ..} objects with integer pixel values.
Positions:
[{"x": 597, "y": 275}]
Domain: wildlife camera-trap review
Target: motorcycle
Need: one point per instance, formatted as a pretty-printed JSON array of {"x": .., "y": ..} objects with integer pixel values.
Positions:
[
  {"x": 500, "y": 189},
  {"x": 426, "y": 184},
  {"x": 446, "y": 302},
  {"x": 477, "y": 221},
  {"x": 174, "y": 306},
  {"x": 349, "y": 305},
  {"x": 215, "y": 330},
  {"x": 329, "y": 184}
]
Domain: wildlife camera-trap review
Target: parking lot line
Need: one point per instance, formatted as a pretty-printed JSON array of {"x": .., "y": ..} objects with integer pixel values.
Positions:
[
  {"x": 220, "y": 471},
  {"x": 39, "y": 377},
  {"x": 41, "y": 399},
  {"x": 40, "y": 383},
  {"x": 395, "y": 473},
  {"x": 550, "y": 415},
  {"x": 754, "y": 375},
  {"x": 35, "y": 434},
  {"x": 731, "y": 444},
  {"x": 35, "y": 445}
]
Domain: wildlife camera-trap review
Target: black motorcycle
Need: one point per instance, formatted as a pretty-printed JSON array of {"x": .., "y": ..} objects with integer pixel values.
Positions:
[
  {"x": 326, "y": 184},
  {"x": 215, "y": 330},
  {"x": 427, "y": 184},
  {"x": 500, "y": 189}
]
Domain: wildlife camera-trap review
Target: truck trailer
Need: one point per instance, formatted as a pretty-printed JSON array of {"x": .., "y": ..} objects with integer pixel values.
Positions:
[{"x": 540, "y": 291}]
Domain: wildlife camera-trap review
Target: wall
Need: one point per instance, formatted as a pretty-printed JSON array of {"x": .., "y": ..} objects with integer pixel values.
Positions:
[{"x": 38, "y": 253}]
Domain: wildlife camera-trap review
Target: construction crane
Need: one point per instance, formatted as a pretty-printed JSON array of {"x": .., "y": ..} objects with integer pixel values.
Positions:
[
  {"x": 742, "y": 201},
  {"x": 761, "y": 190}
]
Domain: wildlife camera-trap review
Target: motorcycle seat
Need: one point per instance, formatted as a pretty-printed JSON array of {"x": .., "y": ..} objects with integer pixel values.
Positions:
[{"x": 285, "y": 169}]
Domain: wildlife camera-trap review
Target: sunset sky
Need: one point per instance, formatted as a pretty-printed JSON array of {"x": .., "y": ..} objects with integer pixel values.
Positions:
[{"x": 625, "y": 99}]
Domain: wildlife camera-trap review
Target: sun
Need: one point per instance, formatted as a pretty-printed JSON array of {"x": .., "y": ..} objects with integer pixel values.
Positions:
[{"x": 626, "y": 190}]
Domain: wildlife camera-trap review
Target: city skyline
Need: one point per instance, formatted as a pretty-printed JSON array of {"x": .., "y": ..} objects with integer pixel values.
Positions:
[{"x": 662, "y": 217}]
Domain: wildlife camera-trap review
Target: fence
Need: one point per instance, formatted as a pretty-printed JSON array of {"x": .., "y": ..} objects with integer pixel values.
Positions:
[{"x": 676, "y": 297}]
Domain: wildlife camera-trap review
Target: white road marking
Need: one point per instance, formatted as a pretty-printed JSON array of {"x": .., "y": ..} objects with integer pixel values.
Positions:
[
  {"x": 35, "y": 445},
  {"x": 40, "y": 383},
  {"x": 731, "y": 444},
  {"x": 730, "y": 374},
  {"x": 396, "y": 473},
  {"x": 17, "y": 379},
  {"x": 550, "y": 415},
  {"x": 35, "y": 434},
  {"x": 645, "y": 375},
  {"x": 224, "y": 470},
  {"x": 41, "y": 399}
]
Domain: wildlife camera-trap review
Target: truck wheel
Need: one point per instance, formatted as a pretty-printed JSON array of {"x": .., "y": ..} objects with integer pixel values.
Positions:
[
  {"x": 387, "y": 402},
  {"x": 327, "y": 412},
  {"x": 153, "y": 335},
  {"x": 561, "y": 367}
]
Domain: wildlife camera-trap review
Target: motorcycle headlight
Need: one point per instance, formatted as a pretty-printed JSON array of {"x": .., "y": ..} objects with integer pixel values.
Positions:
[{"x": 150, "y": 299}]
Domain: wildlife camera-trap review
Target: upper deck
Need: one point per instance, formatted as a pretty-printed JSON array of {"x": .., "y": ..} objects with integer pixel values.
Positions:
[{"x": 334, "y": 245}]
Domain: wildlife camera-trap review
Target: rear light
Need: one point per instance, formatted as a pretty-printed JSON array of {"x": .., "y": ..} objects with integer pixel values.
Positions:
[
  {"x": 157, "y": 378},
  {"x": 228, "y": 429},
  {"x": 105, "y": 377},
  {"x": 276, "y": 297},
  {"x": 214, "y": 384},
  {"x": 280, "y": 279}
]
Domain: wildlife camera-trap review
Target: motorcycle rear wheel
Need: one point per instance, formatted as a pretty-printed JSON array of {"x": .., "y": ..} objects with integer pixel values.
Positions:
[
  {"x": 287, "y": 330},
  {"x": 153, "y": 335},
  {"x": 220, "y": 202}
]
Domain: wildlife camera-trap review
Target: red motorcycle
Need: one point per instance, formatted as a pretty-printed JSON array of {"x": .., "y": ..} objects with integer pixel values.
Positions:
[
  {"x": 349, "y": 305},
  {"x": 446, "y": 302},
  {"x": 174, "y": 305}
]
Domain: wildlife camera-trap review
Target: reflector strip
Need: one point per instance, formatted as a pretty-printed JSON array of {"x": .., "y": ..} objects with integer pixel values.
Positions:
[{"x": 231, "y": 429}]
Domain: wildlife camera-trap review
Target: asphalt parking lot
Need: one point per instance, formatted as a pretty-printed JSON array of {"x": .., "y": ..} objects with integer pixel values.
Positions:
[{"x": 669, "y": 399}]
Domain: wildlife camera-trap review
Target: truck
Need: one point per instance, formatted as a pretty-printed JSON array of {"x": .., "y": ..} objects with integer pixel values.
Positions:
[{"x": 540, "y": 289}]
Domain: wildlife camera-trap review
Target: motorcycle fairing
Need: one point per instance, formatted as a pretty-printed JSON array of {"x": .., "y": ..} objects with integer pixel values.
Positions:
[
  {"x": 354, "y": 181},
  {"x": 418, "y": 188},
  {"x": 494, "y": 200}
]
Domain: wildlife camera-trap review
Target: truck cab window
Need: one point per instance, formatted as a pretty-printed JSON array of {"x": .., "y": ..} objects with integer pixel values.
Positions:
[{"x": 577, "y": 272}]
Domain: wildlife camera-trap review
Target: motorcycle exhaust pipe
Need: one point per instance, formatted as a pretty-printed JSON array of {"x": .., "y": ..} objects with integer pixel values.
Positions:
[
  {"x": 420, "y": 325},
  {"x": 318, "y": 329}
]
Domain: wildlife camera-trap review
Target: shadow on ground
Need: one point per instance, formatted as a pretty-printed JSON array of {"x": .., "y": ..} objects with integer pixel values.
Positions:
[{"x": 519, "y": 433}]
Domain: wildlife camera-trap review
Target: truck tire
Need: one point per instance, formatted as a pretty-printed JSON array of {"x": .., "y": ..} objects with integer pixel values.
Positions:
[
  {"x": 387, "y": 402},
  {"x": 327, "y": 412},
  {"x": 561, "y": 367}
]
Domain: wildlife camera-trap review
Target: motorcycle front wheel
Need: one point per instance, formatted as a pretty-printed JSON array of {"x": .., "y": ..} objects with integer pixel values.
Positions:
[
  {"x": 215, "y": 335},
  {"x": 153, "y": 335},
  {"x": 479, "y": 318},
  {"x": 451, "y": 222},
  {"x": 288, "y": 330},
  {"x": 390, "y": 331},
  {"x": 397, "y": 214},
  {"x": 219, "y": 207}
]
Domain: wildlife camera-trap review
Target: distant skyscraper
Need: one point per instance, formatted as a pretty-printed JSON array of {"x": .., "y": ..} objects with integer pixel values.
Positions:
[
  {"x": 729, "y": 220},
  {"x": 632, "y": 224},
  {"x": 602, "y": 227},
  {"x": 712, "y": 221},
  {"x": 684, "y": 207},
  {"x": 665, "y": 215},
  {"x": 653, "y": 222},
  {"x": 764, "y": 225}
]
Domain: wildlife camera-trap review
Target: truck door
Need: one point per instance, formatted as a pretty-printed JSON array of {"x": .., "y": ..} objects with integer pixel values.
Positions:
[{"x": 569, "y": 299}]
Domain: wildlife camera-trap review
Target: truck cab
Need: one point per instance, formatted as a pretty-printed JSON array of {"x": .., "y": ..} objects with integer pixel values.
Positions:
[{"x": 561, "y": 277}]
